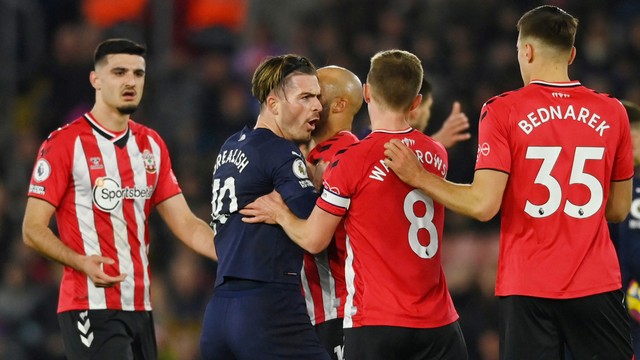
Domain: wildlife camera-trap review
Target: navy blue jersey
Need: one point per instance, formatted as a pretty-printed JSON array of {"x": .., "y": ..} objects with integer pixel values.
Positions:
[
  {"x": 250, "y": 164},
  {"x": 626, "y": 237}
]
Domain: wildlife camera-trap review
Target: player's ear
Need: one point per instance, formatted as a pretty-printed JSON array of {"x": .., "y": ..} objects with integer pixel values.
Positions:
[
  {"x": 339, "y": 105},
  {"x": 95, "y": 81},
  {"x": 416, "y": 102},
  {"x": 366, "y": 93},
  {"x": 529, "y": 52},
  {"x": 273, "y": 105},
  {"x": 573, "y": 55}
]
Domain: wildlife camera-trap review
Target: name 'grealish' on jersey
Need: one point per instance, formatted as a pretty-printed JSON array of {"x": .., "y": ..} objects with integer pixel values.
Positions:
[
  {"x": 393, "y": 270},
  {"x": 562, "y": 144},
  {"x": 103, "y": 186},
  {"x": 252, "y": 163}
]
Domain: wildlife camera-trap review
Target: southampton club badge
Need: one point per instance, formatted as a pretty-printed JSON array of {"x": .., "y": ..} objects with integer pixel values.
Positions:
[
  {"x": 149, "y": 161},
  {"x": 300, "y": 169}
]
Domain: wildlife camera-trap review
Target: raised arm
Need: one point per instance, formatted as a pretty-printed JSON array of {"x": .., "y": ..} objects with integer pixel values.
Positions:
[
  {"x": 312, "y": 234},
  {"x": 454, "y": 129},
  {"x": 187, "y": 227},
  {"x": 37, "y": 235},
  {"x": 480, "y": 200}
]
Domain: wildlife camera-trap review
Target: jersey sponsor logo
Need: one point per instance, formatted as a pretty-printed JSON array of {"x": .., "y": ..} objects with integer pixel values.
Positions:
[
  {"x": 149, "y": 161},
  {"x": 108, "y": 194},
  {"x": 42, "y": 170},
  {"x": 36, "y": 189},
  {"x": 300, "y": 169}
]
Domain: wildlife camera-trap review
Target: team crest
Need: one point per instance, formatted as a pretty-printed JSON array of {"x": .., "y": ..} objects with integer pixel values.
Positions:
[
  {"x": 300, "y": 169},
  {"x": 149, "y": 161},
  {"x": 41, "y": 171}
]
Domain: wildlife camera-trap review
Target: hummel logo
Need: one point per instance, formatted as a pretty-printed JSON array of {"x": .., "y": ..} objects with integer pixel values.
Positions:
[
  {"x": 408, "y": 142},
  {"x": 560, "y": 95},
  {"x": 84, "y": 326}
]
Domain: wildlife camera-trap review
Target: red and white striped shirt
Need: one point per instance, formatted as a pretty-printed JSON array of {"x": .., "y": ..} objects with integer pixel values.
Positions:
[
  {"x": 103, "y": 186},
  {"x": 323, "y": 281}
]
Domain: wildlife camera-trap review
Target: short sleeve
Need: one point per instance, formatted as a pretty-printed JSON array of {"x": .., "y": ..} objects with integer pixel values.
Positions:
[
  {"x": 493, "y": 143},
  {"x": 51, "y": 172}
]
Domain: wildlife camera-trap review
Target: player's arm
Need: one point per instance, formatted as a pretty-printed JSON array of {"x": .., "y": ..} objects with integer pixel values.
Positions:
[
  {"x": 37, "y": 235},
  {"x": 312, "y": 234},
  {"x": 480, "y": 200},
  {"x": 619, "y": 202},
  {"x": 186, "y": 226}
]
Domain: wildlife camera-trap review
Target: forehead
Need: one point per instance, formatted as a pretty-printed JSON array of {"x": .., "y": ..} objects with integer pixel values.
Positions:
[
  {"x": 302, "y": 83},
  {"x": 127, "y": 61}
]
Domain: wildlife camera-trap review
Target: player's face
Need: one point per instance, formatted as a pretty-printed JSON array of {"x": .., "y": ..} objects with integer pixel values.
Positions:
[
  {"x": 119, "y": 82},
  {"x": 300, "y": 107},
  {"x": 419, "y": 117}
]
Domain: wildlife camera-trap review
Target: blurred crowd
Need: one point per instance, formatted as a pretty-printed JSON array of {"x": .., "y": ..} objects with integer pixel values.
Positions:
[{"x": 202, "y": 54}]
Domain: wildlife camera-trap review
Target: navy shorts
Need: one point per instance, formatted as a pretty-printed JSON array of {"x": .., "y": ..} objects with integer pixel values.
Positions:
[
  {"x": 108, "y": 335},
  {"x": 331, "y": 337},
  {"x": 591, "y": 327},
  {"x": 248, "y": 320}
]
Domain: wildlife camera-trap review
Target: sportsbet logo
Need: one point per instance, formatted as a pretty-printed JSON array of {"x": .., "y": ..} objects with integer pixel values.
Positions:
[{"x": 107, "y": 193}]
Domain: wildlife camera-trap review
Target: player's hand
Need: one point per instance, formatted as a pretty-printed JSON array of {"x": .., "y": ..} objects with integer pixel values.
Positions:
[
  {"x": 403, "y": 161},
  {"x": 93, "y": 265},
  {"x": 454, "y": 129},
  {"x": 264, "y": 209}
]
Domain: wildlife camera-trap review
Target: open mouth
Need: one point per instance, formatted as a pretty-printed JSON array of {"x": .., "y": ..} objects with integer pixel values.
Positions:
[
  {"x": 313, "y": 123},
  {"x": 129, "y": 95}
]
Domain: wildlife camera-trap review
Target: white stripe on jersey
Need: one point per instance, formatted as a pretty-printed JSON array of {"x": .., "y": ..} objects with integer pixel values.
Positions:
[
  {"x": 118, "y": 220},
  {"x": 335, "y": 199},
  {"x": 137, "y": 162},
  {"x": 328, "y": 288},
  {"x": 349, "y": 274},
  {"x": 328, "y": 285},
  {"x": 308, "y": 300},
  {"x": 86, "y": 221}
]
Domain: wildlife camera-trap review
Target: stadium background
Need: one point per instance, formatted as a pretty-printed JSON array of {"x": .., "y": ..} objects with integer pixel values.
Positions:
[{"x": 201, "y": 57}]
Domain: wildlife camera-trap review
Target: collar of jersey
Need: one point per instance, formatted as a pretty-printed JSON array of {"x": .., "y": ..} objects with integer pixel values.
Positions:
[
  {"x": 104, "y": 132},
  {"x": 385, "y": 131},
  {"x": 558, "y": 84}
]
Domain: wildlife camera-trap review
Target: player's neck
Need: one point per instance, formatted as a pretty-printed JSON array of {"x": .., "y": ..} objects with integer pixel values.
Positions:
[
  {"x": 110, "y": 118},
  {"x": 332, "y": 128},
  {"x": 551, "y": 72},
  {"x": 382, "y": 119}
]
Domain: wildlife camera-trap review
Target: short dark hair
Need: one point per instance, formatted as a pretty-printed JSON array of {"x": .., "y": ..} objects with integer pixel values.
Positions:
[
  {"x": 426, "y": 88},
  {"x": 633, "y": 111},
  {"x": 117, "y": 46},
  {"x": 550, "y": 24},
  {"x": 273, "y": 72},
  {"x": 395, "y": 78}
]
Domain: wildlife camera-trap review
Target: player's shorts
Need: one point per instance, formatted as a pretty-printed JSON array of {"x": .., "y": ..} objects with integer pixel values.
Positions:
[
  {"x": 393, "y": 342},
  {"x": 592, "y": 327},
  {"x": 332, "y": 337},
  {"x": 248, "y": 320},
  {"x": 108, "y": 335}
]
